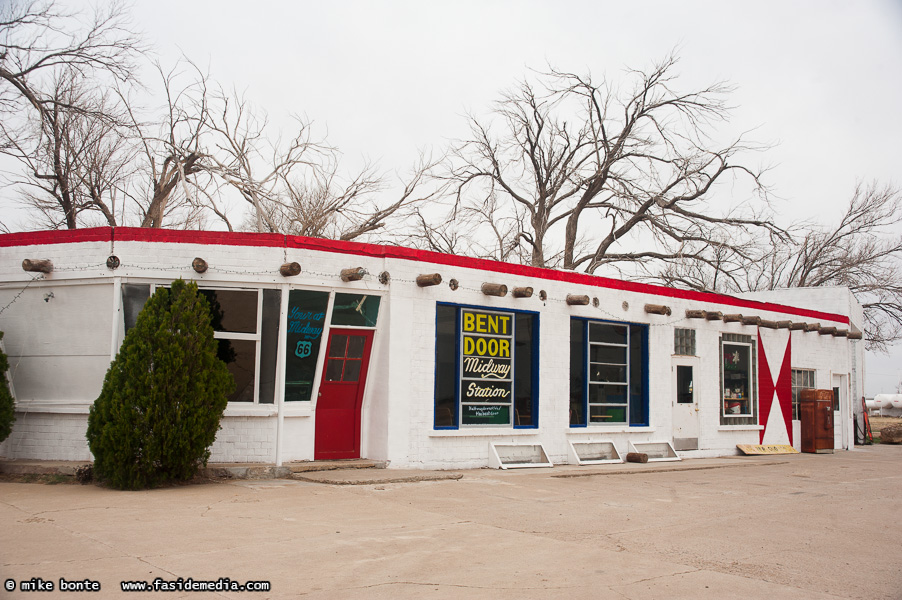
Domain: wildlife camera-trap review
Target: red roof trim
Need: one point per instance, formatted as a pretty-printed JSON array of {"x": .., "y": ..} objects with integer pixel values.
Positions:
[{"x": 272, "y": 240}]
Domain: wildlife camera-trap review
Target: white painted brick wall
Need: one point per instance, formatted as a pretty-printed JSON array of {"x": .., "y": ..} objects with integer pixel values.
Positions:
[
  {"x": 398, "y": 411},
  {"x": 245, "y": 439},
  {"x": 48, "y": 436},
  {"x": 54, "y": 436},
  {"x": 429, "y": 449}
]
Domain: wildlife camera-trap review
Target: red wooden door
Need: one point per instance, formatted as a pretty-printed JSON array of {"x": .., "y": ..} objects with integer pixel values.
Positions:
[{"x": 341, "y": 394}]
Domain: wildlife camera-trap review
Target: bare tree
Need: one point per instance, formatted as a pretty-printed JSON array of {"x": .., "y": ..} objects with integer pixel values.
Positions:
[
  {"x": 75, "y": 161},
  {"x": 319, "y": 203},
  {"x": 59, "y": 122},
  {"x": 588, "y": 165},
  {"x": 859, "y": 253},
  {"x": 171, "y": 151},
  {"x": 37, "y": 39},
  {"x": 244, "y": 157},
  {"x": 483, "y": 230}
]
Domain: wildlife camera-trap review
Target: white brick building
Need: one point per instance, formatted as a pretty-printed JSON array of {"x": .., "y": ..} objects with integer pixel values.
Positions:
[{"x": 422, "y": 376}]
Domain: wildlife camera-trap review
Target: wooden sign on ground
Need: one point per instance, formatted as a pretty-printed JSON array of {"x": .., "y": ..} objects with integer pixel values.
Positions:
[{"x": 766, "y": 449}]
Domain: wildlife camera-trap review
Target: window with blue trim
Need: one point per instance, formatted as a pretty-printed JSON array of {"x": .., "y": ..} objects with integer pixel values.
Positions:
[
  {"x": 608, "y": 373},
  {"x": 486, "y": 367}
]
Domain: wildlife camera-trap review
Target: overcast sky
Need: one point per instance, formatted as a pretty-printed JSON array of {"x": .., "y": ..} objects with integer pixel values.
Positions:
[{"x": 821, "y": 80}]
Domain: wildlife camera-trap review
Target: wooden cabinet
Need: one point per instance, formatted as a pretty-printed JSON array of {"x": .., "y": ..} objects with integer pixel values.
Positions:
[{"x": 816, "y": 412}]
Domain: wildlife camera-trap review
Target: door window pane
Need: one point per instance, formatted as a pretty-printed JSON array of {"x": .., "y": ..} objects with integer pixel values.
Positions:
[
  {"x": 487, "y": 343},
  {"x": 352, "y": 370},
  {"x": 474, "y": 414},
  {"x": 684, "y": 384},
  {"x": 338, "y": 345},
  {"x": 355, "y": 346},
  {"x": 334, "y": 369}
]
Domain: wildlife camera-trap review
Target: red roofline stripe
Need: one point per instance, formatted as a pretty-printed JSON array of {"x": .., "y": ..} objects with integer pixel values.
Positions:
[{"x": 277, "y": 240}]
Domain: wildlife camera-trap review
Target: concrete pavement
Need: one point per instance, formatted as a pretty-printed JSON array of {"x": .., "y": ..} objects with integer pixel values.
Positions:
[{"x": 797, "y": 526}]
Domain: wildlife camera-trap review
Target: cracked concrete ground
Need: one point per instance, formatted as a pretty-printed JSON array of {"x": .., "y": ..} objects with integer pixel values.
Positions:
[{"x": 803, "y": 526}]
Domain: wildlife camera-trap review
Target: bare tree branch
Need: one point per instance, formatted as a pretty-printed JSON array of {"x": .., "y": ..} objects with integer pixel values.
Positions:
[
  {"x": 37, "y": 39},
  {"x": 610, "y": 167},
  {"x": 859, "y": 253}
]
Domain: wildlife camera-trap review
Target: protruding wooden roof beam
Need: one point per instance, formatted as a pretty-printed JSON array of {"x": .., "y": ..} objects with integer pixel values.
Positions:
[
  {"x": 577, "y": 300},
  {"x": 290, "y": 269},
  {"x": 352, "y": 274},
  {"x": 37, "y": 265},
  {"x": 494, "y": 289},
  {"x": 658, "y": 309},
  {"x": 429, "y": 279}
]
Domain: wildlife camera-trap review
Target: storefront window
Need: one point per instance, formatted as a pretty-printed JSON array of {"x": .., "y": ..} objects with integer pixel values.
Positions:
[
  {"x": 355, "y": 310},
  {"x": 738, "y": 380},
  {"x": 801, "y": 379},
  {"x": 525, "y": 368},
  {"x": 577, "y": 372},
  {"x": 247, "y": 339},
  {"x": 608, "y": 374},
  {"x": 134, "y": 295},
  {"x": 446, "y": 379},
  {"x": 485, "y": 367},
  {"x": 233, "y": 310},
  {"x": 247, "y": 334},
  {"x": 306, "y": 319}
]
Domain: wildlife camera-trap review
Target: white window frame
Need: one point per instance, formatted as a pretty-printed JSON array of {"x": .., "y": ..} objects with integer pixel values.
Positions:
[
  {"x": 230, "y": 335},
  {"x": 750, "y": 400},
  {"x": 796, "y": 390},
  {"x": 590, "y": 383}
]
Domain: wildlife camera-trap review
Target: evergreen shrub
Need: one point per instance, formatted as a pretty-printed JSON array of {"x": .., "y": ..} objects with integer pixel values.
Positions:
[
  {"x": 7, "y": 405},
  {"x": 163, "y": 396}
]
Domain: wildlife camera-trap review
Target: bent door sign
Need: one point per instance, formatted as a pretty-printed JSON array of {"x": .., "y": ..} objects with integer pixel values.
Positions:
[
  {"x": 486, "y": 367},
  {"x": 337, "y": 434}
]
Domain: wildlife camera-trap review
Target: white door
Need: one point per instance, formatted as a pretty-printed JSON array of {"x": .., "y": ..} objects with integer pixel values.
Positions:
[{"x": 685, "y": 404}]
